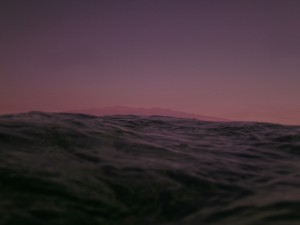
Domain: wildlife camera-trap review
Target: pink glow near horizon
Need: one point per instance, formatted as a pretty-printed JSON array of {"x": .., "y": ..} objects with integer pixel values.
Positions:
[{"x": 237, "y": 60}]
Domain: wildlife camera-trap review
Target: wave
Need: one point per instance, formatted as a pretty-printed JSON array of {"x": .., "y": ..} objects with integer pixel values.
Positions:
[{"x": 64, "y": 168}]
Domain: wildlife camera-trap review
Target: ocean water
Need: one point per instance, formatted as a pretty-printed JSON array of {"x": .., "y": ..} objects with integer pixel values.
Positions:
[{"x": 60, "y": 168}]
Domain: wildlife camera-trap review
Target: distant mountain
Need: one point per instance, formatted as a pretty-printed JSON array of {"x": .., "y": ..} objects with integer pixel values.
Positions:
[{"x": 124, "y": 110}]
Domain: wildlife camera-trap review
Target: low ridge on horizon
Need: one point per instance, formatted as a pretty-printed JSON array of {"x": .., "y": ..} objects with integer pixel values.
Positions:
[
  {"x": 153, "y": 111},
  {"x": 141, "y": 111}
]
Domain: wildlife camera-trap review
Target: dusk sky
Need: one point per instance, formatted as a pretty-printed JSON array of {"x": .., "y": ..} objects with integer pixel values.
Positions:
[{"x": 237, "y": 60}]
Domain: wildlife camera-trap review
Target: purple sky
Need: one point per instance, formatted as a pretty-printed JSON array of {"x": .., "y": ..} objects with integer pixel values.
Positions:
[{"x": 233, "y": 59}]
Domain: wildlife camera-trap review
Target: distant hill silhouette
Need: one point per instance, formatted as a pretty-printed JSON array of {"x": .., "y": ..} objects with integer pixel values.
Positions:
[{"x": 124, "y": 110}]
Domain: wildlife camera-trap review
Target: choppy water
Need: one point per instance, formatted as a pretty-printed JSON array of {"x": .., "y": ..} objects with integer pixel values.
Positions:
[{"x": 58, "y": 168}]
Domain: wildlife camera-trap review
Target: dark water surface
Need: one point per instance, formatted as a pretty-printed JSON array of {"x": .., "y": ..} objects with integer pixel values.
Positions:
[{"x": 59, "y": 168}]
